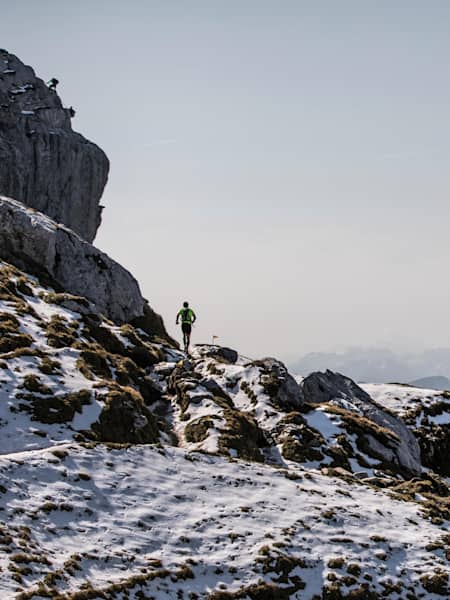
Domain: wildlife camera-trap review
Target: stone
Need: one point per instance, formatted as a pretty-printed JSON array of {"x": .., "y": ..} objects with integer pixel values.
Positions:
[
  {"x": 43, "y": 162},
  {"x": 228, "y": 355},
  {"x": 434, "y": 441},
  {"x": 125, "y": 419},
  {"x": 321, "y": 387},
  {"x": 33, "y": 242},
  {"x": 279, "y": 384},
  {"x": 220, "y": 353},
  {"x": 343, "y": 392}
]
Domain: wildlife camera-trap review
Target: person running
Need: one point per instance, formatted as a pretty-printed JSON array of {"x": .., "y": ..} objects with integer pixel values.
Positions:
[{"x": 188, "y": 318}]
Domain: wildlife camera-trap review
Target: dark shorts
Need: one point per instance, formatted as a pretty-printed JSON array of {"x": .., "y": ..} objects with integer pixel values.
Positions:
[{"x": 186, "y": 328}]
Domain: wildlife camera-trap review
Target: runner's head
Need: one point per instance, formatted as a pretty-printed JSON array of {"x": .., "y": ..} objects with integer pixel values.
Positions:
[{"x": 185, "y": 304}]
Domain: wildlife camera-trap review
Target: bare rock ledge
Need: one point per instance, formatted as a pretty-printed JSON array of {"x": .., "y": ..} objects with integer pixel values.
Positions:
[{"x": 35, "y": 243}]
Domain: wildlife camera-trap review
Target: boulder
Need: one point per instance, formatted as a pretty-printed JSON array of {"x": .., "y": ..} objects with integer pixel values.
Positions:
[
  {"x": 43, "y": 162},
  {"x": 339, "y": 390},
  {"x": 33, "y": 242},
  {"x": 125, "y": 419},
  {"x": 321, "y": 387},
  {"x": 220, "y": 353},
  {"x": 279, "y": 384},
  {"x": 241, "y": 435}
]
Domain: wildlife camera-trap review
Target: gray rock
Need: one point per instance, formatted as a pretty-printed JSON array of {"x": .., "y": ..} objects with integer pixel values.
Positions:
[
  {"x": 342, "y": 391},
  {"x": 279, "y": 385},
  {"x": 220, "y": 353},
  {"x": 227, "y": 354},
  {"x": 321, "y": 387},
  {"x": 36, "y": 244},
  {"x": 43, "y": 162}
]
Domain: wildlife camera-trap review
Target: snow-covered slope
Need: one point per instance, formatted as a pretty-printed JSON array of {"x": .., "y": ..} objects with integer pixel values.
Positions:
[
  {"x": 115, "y": 522},
  {"x": 130, "y": 471},
  {"x": 411, "y": 402}
]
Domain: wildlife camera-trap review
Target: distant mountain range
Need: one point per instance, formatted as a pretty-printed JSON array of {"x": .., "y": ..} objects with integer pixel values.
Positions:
[
  {"x": 432, "y": 383},
  {"x": 379, "y": 365}
]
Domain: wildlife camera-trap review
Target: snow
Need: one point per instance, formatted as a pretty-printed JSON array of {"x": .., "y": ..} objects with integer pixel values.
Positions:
[
  {"x": 65, "y": 380},
  {"x": 325, "y": 423},
  {"x": 142, "y": 504},
  {"x": 399, "y": 397},
  {"x": 431, "y": 407},
  {"x": 443, "y": 419},
  {"x": 88, "y": 416}
]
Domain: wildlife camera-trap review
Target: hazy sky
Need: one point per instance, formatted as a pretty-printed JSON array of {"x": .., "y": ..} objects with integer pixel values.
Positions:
[{"x": 283, "y": 165}]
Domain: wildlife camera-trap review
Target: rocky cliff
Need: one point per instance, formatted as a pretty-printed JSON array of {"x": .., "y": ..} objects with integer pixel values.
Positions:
[
  {"x": 43, "y": 162},
  {"x": 34, "y": 242},
  {"x": 60, "y": 176}
]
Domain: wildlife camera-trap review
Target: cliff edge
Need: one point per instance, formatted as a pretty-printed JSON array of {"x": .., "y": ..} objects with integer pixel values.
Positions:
[{"x": 43, "y": 162}]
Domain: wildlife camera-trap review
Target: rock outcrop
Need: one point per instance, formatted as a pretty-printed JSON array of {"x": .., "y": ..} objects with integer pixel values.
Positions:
[
  {"x": 32, "y": 241},
  {"x": 321, "y": 387},
  {"x": 427, "y": 413},
  {"x": 278, "y": 384},
  {"x": 227, "y": 355},
  {"x": 43, "y": 162},
  {"x": 59, "y": 175},
  {"x": 400, "y": 448}
]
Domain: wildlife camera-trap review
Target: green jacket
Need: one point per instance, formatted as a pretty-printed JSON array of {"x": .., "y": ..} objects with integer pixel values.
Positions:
[{"x": 187, "y": 315}]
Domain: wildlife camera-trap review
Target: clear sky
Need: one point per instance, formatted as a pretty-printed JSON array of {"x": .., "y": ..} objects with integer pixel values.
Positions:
[{"x": 283, "y": 165}]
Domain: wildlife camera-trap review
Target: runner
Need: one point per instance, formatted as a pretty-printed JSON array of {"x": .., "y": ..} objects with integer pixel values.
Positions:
[{"x": 188, "y": 318}]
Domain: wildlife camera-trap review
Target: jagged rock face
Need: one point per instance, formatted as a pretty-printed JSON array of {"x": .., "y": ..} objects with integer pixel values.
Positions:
[
  {"x": 43, "y": 162},
  {"x": 279, "y": 384},
  {"x": 400, "y": 448},
  {"x": 321, "y": 387},
  {"x": 37, "y": 244},
  {"x": 427, "y": 414}
]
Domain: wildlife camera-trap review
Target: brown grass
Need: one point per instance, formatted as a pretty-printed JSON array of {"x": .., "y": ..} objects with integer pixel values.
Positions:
[
  {"x": 56, "y": 409},
  {"x": 197, "y": 431},
  {"x": 60, "y": 332},
  {"x": 241, "y": 434},
  {"x": 125, "y": 419}
]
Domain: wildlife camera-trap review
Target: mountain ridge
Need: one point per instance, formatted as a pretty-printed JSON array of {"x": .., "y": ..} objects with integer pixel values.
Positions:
[{"x": 129, "y": 470}]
